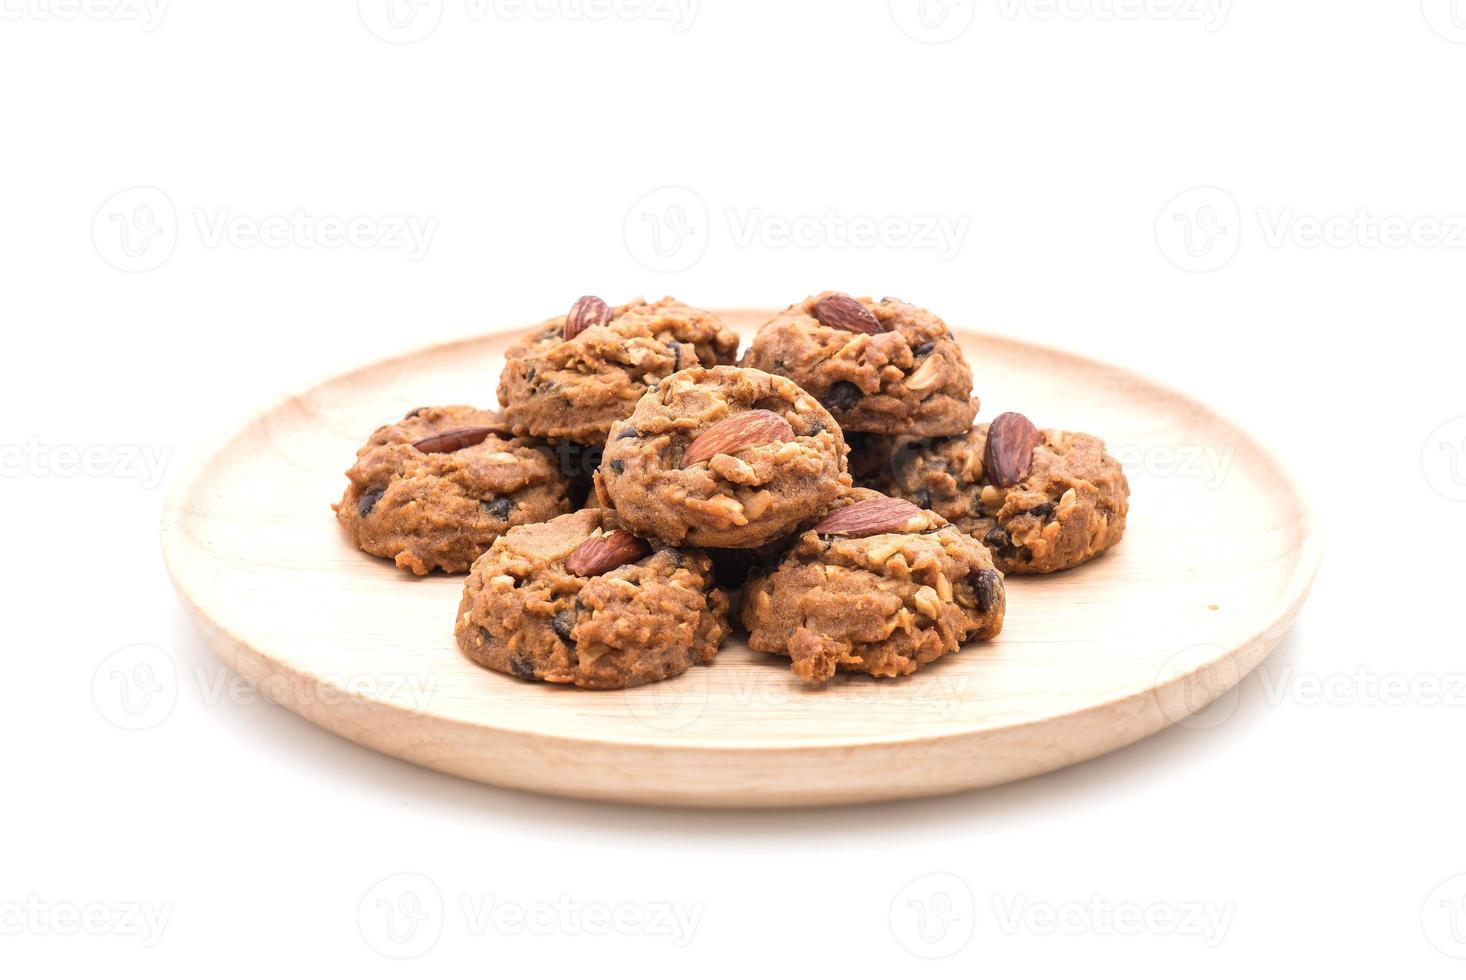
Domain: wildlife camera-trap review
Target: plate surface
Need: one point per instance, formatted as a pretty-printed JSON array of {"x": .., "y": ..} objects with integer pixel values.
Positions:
[{"x": 1218, "y": 557}]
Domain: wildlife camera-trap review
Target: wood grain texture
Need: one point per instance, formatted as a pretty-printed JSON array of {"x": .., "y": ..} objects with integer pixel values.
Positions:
[{"x": 1218, "y": 558}]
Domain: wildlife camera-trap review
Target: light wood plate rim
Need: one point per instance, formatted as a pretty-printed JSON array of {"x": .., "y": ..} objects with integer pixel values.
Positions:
[{"x": 247, "y": 655}]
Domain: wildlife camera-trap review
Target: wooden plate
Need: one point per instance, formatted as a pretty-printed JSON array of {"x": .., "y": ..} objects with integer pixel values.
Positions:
[{"x": 1219, "y": 555}]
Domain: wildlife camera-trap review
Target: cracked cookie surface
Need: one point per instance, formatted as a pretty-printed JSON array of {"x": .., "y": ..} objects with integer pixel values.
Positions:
[
  {"x": 722, "y": 457},
  {"x": 880, "y": 599},
  {"x": 908, "y": 378},
  {"x": 619, "y": 623},
  {"x": 431, "y": 510},
  {"x": 573, "y": 389},
  {"x": 1069, "y": 507}
]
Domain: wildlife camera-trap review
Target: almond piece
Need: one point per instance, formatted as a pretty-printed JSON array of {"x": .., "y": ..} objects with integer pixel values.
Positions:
[
  {"x": 588, "y": 311},
  {"x": 927, "y": 375},
  {"x": 452, "y": 440},
  {"x": 598, "y": 555},
  {"x": 756, "y": 428},
  {"x": 878, "y": 515},
  {"x": 841, "y": 312},
  {"x": 1009, "y": 453}
]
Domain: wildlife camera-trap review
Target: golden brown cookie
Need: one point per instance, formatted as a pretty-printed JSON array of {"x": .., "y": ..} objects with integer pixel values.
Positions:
[
  {"x": 572, "y": 376},
  {"x": 578, "y": 600},
  {"x": 878, "y": 587},
  {"x": 722, "y": 457},
  {"x": 886, "y": 367},
  {"x": 435, "y": 489},
  {"x": 1042, "y": 500}
]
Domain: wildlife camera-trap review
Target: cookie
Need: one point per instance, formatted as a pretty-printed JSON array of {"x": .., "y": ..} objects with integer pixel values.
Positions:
[
  {"x": 733, "y": 566},
  {"x": 870, "y": 456},
  {"x": 886, "y": 367},
  {"x": 1042, "y": 500},
  {"x": 722, "y": 457},
  {"x": 578, "y": 600},
  {"x": 571, "y": 377},
  {"x": 579, "y": 464},
  {"x": 878, "y": 587},
  {"x": 435, "y": 489}
]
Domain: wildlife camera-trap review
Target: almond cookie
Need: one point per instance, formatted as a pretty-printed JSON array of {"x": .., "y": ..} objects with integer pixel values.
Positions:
[
  {"x": 722, "y": 457},
  {"x": 870, "y": 457},
  {"x": 1042, "y": 500},
  {"x": 886, "y": 367},
  {"x": 878, "y": 587},
  {"x": 435, "y": 489},
  {"x": 572, "y": 376},
  {"x": 579, "y": 600}
]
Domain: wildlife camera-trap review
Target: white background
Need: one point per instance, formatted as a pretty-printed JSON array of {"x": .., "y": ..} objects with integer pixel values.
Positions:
[{"x": 1056, "y": 138}]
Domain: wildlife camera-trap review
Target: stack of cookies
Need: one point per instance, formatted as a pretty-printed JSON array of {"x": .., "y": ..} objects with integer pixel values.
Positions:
[{"x": 635, "y": 477}]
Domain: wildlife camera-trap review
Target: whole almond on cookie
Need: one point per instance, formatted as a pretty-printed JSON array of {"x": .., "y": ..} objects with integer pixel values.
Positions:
[
  {"x": 878, "y": 515},
  {"x": 1009, "y": 452},
  {"x": 756, "y": 428},
  {"x": 452, "y": 440},
  {"x": 841, "y": 312},
  {"x": 598, "y": 555},
  {"x": 588, "y": 311}
]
